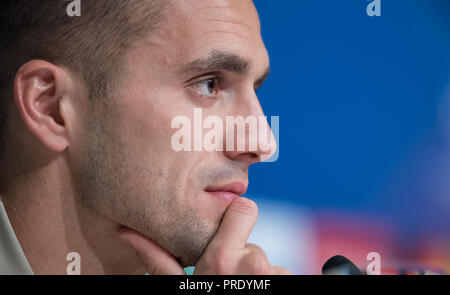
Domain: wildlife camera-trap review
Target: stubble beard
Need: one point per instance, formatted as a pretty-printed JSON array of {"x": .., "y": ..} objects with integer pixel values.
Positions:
[{"x": 102, "y": 187}]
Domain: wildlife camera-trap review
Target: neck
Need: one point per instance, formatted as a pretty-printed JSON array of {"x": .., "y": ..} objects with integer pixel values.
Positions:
[{"x": 50, "y": 223}]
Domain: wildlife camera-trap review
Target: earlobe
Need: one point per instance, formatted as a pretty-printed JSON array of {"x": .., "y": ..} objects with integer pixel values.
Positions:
[{"x": 39, "y": 87}]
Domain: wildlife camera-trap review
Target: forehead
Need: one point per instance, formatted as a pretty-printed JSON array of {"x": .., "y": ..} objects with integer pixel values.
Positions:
[
  {"x": 237, "y": 12},
  {"x": 195, "y": 28}
]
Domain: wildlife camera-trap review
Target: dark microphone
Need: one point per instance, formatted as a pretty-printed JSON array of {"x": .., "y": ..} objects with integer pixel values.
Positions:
[{"x": 339, "y": 265}]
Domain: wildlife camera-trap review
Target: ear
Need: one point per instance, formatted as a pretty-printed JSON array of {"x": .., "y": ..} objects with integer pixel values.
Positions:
[{"x": 39, "y": 89}]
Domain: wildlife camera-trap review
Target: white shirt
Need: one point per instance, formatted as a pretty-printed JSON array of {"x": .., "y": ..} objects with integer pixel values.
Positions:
[{"x": 12, "y": 258}]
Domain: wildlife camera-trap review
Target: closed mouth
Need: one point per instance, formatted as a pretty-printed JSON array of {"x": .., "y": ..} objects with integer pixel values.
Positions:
[{"x": 237, "y": 188}]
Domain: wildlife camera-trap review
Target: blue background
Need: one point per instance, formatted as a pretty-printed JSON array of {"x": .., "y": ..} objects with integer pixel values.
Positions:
[{"x": 358, "y": 101}]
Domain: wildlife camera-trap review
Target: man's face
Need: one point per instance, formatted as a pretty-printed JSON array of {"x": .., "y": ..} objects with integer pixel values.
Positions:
[{"x": 204, "y": 54}]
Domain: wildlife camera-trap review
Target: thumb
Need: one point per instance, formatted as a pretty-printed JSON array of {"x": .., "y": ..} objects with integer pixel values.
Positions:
[{"x": 157, "y": 260}]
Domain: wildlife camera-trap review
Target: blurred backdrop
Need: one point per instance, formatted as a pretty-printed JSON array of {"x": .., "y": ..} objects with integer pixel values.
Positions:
[{"x": 364, "y": 151}]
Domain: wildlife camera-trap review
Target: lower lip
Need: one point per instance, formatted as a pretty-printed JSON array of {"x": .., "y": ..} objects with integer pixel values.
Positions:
[{"x": 225, "y": 196}]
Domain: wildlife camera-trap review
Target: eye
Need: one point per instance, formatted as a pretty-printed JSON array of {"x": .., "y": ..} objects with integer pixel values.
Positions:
[{"x": 207, "y": 88}]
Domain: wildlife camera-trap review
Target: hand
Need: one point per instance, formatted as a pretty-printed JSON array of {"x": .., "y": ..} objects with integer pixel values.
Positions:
[{"x": 228, "y": 253}]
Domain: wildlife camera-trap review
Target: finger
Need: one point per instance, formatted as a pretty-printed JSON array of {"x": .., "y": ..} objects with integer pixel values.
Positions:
[
  {"x": 278, "y": 270},
  {"x": 158, "y": 261},
  {"x": 255, "y": 261},
  {"x": 236, "y": 225},
  {"x": 251, "y": 248}
]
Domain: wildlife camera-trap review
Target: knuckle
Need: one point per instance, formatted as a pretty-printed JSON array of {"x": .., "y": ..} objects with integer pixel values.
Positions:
[
  {"x": 256, "y": 260},
  {"x": 251, "y": 246},
  {"x": 221, "y": 262}
]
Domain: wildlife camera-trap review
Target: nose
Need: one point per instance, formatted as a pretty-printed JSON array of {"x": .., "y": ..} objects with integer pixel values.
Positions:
[{"x": 249, "y": 138}]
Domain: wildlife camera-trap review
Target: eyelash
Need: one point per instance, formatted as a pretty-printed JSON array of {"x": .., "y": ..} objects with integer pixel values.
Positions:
[{"x": 217, "y": 83}]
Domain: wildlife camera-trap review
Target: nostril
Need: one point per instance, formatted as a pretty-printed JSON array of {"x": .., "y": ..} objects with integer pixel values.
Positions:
[{"x": 250, "y": 158}]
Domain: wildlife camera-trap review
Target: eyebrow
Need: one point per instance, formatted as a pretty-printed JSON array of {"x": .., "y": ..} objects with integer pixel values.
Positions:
[
  {"x": 218, "y": 60},
  {"x": 222, "y": 61}
]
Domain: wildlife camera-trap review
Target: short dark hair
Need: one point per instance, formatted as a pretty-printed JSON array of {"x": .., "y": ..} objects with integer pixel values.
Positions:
[{"x": 92, "y": 44}]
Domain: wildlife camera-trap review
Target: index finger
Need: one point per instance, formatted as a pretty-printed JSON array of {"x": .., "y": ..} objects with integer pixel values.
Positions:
[
  {"x": 237, "y": 224},
  {"x": 157, "y": 260}
]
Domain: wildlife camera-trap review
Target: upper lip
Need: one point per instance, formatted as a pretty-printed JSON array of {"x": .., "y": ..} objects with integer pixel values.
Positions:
[{"x": 238, "y": 188}]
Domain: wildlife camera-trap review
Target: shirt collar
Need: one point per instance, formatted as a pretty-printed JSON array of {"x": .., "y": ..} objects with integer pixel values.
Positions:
[{"x": 12, "y": 258}]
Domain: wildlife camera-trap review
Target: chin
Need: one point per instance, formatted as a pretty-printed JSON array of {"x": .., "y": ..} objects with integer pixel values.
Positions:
[{"x": 191, "y": 249}]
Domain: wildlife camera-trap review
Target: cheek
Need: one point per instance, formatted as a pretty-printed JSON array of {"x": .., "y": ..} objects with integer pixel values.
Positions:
[
  {"x": 144, "y": 126},
  {"x": 145, "y": 120}
]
